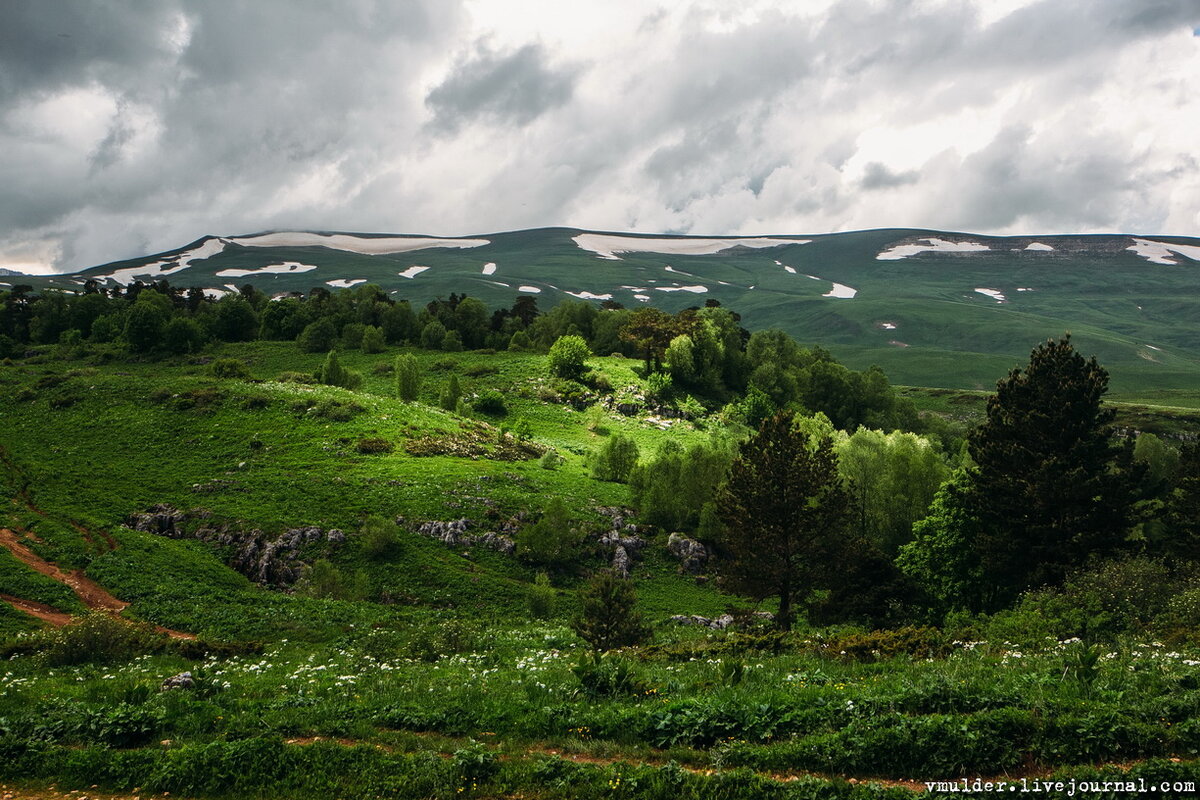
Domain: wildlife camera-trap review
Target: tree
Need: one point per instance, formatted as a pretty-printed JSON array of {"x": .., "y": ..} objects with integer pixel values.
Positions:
[
  {"x": 1050, "y": 485},
  {"x": 784, "y": 510},
  {"x": 317, "y": 336},
  {"x": 432, "y": 335},
  {"x": 146, "y": 320},
  {"x": 372, "y": 340},
  {"x": 941, "y": 559},
  {"x": 182, "y": 335},
  {"x": 408, "y": 377},
  {"x": 552, "y": 541},
  {"x": 448, "y": 399},
  {"x": 568, "y": 357},
  {"x": 608, "y": 616},
  {"x": 616, "y": 459},
  {"x": 332, "y": 373}
]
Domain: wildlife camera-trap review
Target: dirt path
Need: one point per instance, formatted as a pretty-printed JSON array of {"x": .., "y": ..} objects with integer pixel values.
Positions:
[
  {"x": 92, "y": 594},
  {"x": 25, "y": 498},
  {"x": 40, "y": 610},
  {"x": 54, "y": 793}
]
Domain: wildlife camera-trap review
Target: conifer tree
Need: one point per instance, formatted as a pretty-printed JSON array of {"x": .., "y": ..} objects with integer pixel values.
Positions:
[
  {"x": 608, "y": 616},
  {"x": 784, "y": 510},
  {"x": 408, "y": 377},
  {"x": 1050, "y": 486}
]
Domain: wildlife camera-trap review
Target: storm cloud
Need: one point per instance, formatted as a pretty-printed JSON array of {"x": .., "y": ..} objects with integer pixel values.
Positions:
[{"x": 134, "y": 126}]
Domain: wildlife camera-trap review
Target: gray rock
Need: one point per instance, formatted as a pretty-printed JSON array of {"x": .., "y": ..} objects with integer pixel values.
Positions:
[
  {"x": 183, "y": 680},
  {"x": 692, "y": 555}
]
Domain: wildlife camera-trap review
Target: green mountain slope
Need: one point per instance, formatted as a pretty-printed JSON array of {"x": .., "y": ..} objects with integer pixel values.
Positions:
[{"x": 1132, "y": 301}]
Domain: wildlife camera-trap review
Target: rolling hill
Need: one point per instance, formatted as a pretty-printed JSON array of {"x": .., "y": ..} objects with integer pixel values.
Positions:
[{"x": 915, "y": 302}]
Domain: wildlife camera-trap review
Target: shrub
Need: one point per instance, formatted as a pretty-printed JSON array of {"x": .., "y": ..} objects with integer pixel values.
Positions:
[
  {"x": 606, "y": 675},
  {"x": 372, "y": 340},
  {"x": 335, "y": 410},
  {"x": 479, "y": 370},
  {"x": 332, "y": 373},
  {"x": 296, "y": 377},
  {"x": 551, "y": 460},
  {"x": 432, "y": 335},
  {"x": 379, "y": 535},
  {"x": 608, "y": 616},
  {"x": 230, "y": 368},
  {"x": 452, "y": 342},
  {"x": 372, "y": 446},
  {"x": 490, "y": 401},
  {"x": 568, "y": 357},
  {"x": 520, "y": 342},
  {"x": 542, "y": 598},
  {"x": 450, "y": 395},
  {"x": 98, "y": 639},
  {"x": 408, "y": 377},
  {"x": 551, "y": 541},
  {"x": 183, "y": 335},
  {"x": 317, "y": 337},
  {"x": 616, "y": 459}
]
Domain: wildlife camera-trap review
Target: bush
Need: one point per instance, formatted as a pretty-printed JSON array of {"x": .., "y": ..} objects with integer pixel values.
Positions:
[
  {"x": 490, "y": 401},
  {"x": 408, "y": 377},
  {"x": 479, "y": 370},
  {"x": 296, "y": 377},
  {"x": 317, "y": 337},
  {"x": 542, "y": 598},
  {"x": 568, "y": 357},
  {"x": 372, "y": 340},
  {"x": 551, "y": 541},
  {"x": 452, "y": 342},
  {"x": 608, "y": 616},
  {"x": 616, "y": 459},
  {"x": 551, "y": 460},
  {"x": 332, "y": 373},
  {"x": 373, "y": 446},
  {"x": 98, "y": 639},
  {"x": 230, "y": 368},
  {"x": 450, "y": 395},
  {"x": 379, "y": 536}
]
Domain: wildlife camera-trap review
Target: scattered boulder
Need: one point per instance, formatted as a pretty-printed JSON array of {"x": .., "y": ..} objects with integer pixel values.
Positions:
[
  {"x": 454, "y": 533},
  {"x": 183, "y": 680},
  {"x": 692, "y": 555}
]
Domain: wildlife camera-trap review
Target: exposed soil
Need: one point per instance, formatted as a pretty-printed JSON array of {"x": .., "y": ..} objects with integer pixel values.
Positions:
[{"x": 92, "y": 594}]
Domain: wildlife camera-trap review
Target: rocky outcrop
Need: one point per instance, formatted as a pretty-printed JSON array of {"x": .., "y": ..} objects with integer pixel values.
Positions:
[
  {"x": 274, "y": 561},
  {"x": 719, "y": 623},
  {"x": 621, "y": 541},
  {"x": 455, "y": 533},
  {"x": 692, "y": 555}
]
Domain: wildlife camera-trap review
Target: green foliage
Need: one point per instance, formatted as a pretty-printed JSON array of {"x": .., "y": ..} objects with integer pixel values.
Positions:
[
  {"x": 145, "y": 322},
  {"x": 616, "y": 459},
  {"x": 608, "y": 618},
  {"x": 182, "y": 335},
  {"x": 408, "y": 377},
  {"x": 374, "y": 446},
  {"x": 373, "y": 340},
  {"x": 893, "y": 479},
  {"x": 542, "y": 597},
  {"x": 332, "y": 373},
  {"x": 489, "y": 401},
  {"x": 607, "y": 674},
  {"x": 552, "y": 542},
  {"x": 324, "y": 580},
  {"x": 230, "y": 368},
  {"x": 432, "y": 335},
  {"x": 784, "y": 510},
  {"x": 670, "y": 490},
  {"x": 450, "y": 395},
  {"x": 941, "y": 559},
  {"x": 379, "y": 536},
  {"x": 317, "y": 337},
  {"x": 452, "y": 342},
  {"x": 568, "y": 357},
  {"x": 551, "y": 460},
  {"x": 1049, "y": 486},
  {"x": 97, "y": 638}
]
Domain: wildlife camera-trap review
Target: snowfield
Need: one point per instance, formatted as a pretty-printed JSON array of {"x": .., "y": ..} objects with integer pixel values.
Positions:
[
  {"x": 995, "y": 294},
  {"x": 842, "y": 291},
  {"x": 692, "y": 289},
  {"x": 934, "y": 246},
  {"x": 591, "y": 296},
  {"x": 364, "y": 245},
  {"x": 1164, "y": 252},
  {"x": 489, "y": 268},
  {"x": 412, "y": 272},
  {"x": 274, "y": 269},
  {"x": 607, "y": 246},
  {"x": 346, "y": 283},
  {"x": 1039, "y": 246}
]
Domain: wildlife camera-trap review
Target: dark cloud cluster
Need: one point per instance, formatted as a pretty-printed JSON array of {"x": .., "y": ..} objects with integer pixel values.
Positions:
[{"x": 129, "y": 126}]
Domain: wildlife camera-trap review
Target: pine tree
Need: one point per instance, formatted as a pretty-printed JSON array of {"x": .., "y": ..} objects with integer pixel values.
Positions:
[
  {"x": 784, "y": 510},
  {"x": 450, "y": 395},
  {"x": 332, "y": 373},
  {"x": 1050, "y": 485},
  {"x": 608, "y": 616}
]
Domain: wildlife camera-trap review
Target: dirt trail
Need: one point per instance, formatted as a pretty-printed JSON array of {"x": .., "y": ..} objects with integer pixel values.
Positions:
[
  {"x": 40, "y": 610},
  {"x": 92, "y": 594}
]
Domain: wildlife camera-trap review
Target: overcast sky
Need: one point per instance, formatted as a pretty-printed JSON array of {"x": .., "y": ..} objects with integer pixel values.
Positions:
[{"x": 134, "y": 126}]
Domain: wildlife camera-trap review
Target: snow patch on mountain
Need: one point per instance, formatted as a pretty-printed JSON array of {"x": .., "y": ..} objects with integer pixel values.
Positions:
[
  {"x": 932, "y": 245},
  {"x": 607, "y": 246}
]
